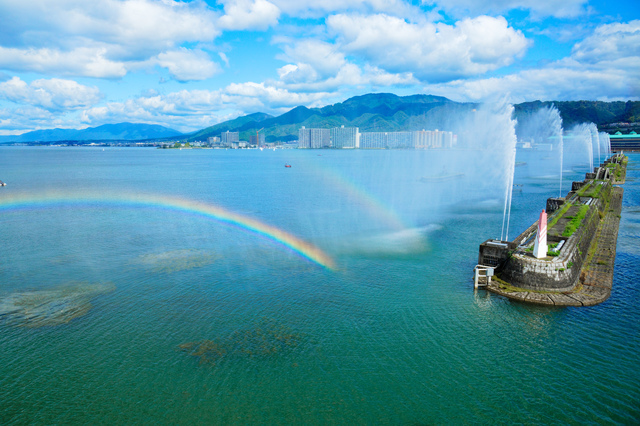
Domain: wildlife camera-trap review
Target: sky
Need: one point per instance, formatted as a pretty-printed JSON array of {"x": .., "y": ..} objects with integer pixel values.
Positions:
[{"x": 188, "y": 65}]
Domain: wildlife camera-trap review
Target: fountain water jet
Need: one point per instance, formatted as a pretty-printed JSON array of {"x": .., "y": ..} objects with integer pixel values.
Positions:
[
  {"x": 581, "y": 141},
  {"x": 594, "y": 140},
  {"x": 543, "y": 128}
]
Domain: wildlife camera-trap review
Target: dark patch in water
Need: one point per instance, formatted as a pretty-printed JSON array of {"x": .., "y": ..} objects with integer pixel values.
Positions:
[
  {"x": 52, "y": 307},
  {"x": 265, "y": 340},
  {"x": 178, "y": 260}
]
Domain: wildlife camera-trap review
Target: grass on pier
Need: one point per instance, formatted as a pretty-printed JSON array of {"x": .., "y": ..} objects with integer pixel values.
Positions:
[{"x": 575, "y": 221}]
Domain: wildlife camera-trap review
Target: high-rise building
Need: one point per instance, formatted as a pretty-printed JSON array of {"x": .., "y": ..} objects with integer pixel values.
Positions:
[
  {"x": 373, "y": 140},
  {"x": 313, "y": 138},
  {"x": 399, "y": 140},
  {"x": 253, "y": 140},
  {"x": 345, "y": 137},
  {"x": 227, "y": 138}
]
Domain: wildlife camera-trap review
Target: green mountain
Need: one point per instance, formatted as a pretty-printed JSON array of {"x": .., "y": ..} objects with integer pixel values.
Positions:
[
  {"x": 117, "y": 132},
  {"x": 372, "y": 112},
  {"x": 387, "y": 112}
]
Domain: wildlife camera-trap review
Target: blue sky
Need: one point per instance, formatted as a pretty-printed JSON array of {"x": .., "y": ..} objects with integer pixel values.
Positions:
[{"x": 191, "y": 64}]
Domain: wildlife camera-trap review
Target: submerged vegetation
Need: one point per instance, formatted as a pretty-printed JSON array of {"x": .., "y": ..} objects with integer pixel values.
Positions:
[
  {"x": 50, "y": 307},
  {"x": 267, "y": 339},
  {"x": 177, "y": 260}
]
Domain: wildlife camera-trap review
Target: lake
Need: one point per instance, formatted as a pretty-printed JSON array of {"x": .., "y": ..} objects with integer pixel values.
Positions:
[{"x": 210, "y": 286}]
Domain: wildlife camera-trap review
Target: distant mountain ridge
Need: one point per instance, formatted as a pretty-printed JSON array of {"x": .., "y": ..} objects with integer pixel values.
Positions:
[
  {"x": 120, "y": 131},
  {"x": 372, "y": 112},
  {"x": 383, "y": 112}
]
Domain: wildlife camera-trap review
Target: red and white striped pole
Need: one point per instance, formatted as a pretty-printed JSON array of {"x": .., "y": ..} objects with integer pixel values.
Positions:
[{"x": 540, "y": 247}]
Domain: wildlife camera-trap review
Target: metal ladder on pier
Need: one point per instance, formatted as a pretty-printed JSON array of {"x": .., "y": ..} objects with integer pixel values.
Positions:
[{"x": 482, "y": 276}]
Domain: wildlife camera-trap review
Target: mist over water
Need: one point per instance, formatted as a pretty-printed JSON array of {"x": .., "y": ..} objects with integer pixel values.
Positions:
[{"x": 392, "y": 198}]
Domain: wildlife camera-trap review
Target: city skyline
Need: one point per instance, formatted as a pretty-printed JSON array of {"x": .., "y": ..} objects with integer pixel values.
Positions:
[{"x": 189, "y": 65}]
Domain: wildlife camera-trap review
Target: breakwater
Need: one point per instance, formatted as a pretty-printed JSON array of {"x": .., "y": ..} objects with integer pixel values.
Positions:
[{"x": 582, "y": 234}]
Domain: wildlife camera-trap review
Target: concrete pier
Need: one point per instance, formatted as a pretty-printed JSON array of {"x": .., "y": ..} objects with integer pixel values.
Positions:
[{"x": 582, "y": 231}]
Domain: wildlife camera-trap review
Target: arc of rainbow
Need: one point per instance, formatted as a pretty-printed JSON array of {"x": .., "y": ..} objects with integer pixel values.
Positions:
[
  {"x": 277, "y": 235},
  {"x": 374, "y": 206}
]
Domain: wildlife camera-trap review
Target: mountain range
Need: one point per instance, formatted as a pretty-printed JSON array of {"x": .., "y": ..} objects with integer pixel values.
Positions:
[
  {"x": 383, "y": 112},
  {"x": 113, "y": 132},
  {"x": 387, "y": 112}
]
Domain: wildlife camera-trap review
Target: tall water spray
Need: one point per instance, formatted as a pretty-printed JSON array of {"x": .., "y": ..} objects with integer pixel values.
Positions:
[
  {"x": 543, "y": 128},
  {"x": 487, "y": 144},
  {"x": 605, "y": 142},
  {"x": 581, "y": 141},
  {"x": 505, "y": 135},
  {"x": 595, "y": 140}
]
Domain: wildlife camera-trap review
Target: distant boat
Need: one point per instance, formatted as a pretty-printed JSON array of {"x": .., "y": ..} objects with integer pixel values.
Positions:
[
  {"x": 4, "y": 184},
  {"x": 287, "y": 165},
  {"x": 520, "y": 163}
]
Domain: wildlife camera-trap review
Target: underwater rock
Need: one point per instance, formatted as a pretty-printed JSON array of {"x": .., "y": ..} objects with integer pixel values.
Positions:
[
  {"x": 178, "y": 260},
  {"x": 264, "y": 340},
  {"x": 51, "y": 307}
]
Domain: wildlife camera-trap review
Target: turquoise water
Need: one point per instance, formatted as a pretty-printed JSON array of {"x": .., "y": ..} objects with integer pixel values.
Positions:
[{"x": 394, "y": 334}]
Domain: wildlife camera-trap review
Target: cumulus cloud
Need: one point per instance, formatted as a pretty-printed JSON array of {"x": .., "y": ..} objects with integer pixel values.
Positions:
[
  {"x": 538, "y": 8},
  {"x": 82, "y": 61},
  {"x": 609, "y": 43},
  {"x": 133, "y": 25},
  {"x": 604, "y": 66},
  {"x": 102, "y": 38},
  {"x": 432, "y": 52},
  {"x": 318, "y": 65},
  {"x": 249, "y": 15},
  {"x": 188, "y": 65},
  {"x": 53, "y": 94}
]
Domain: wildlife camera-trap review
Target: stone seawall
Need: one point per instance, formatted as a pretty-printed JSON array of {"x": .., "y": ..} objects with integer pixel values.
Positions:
[
  {"x": 555, "y": 274},
  {"x": 581, "y": 273}
]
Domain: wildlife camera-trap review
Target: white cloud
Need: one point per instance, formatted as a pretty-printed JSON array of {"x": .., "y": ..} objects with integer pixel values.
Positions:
[
  {"x": 604, "y": 66},
  {"x": 224, "y": 58},
  {"x": 53, "y": 94},
  {"x": 132, "y": 25},
  {"x": 82, "y": 61},
  {"x": 102, "y": 38},
  {"x": 188, "y": 65},
  {"x": 432, "y": 52},
  {"x": 538, "y": 8},
  {"x": 249, "y": 15},
  {"x": 261, "y": 94},
  {"x": 303, "y": 78},
  {"x": 324, "y": 58},
  {"x": 609, "y": 42}
]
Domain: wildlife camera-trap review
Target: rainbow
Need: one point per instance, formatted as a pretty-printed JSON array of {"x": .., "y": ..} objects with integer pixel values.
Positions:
[
  {"x": 370, "y": 203},
  {"x": 10, "y": 202}
]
